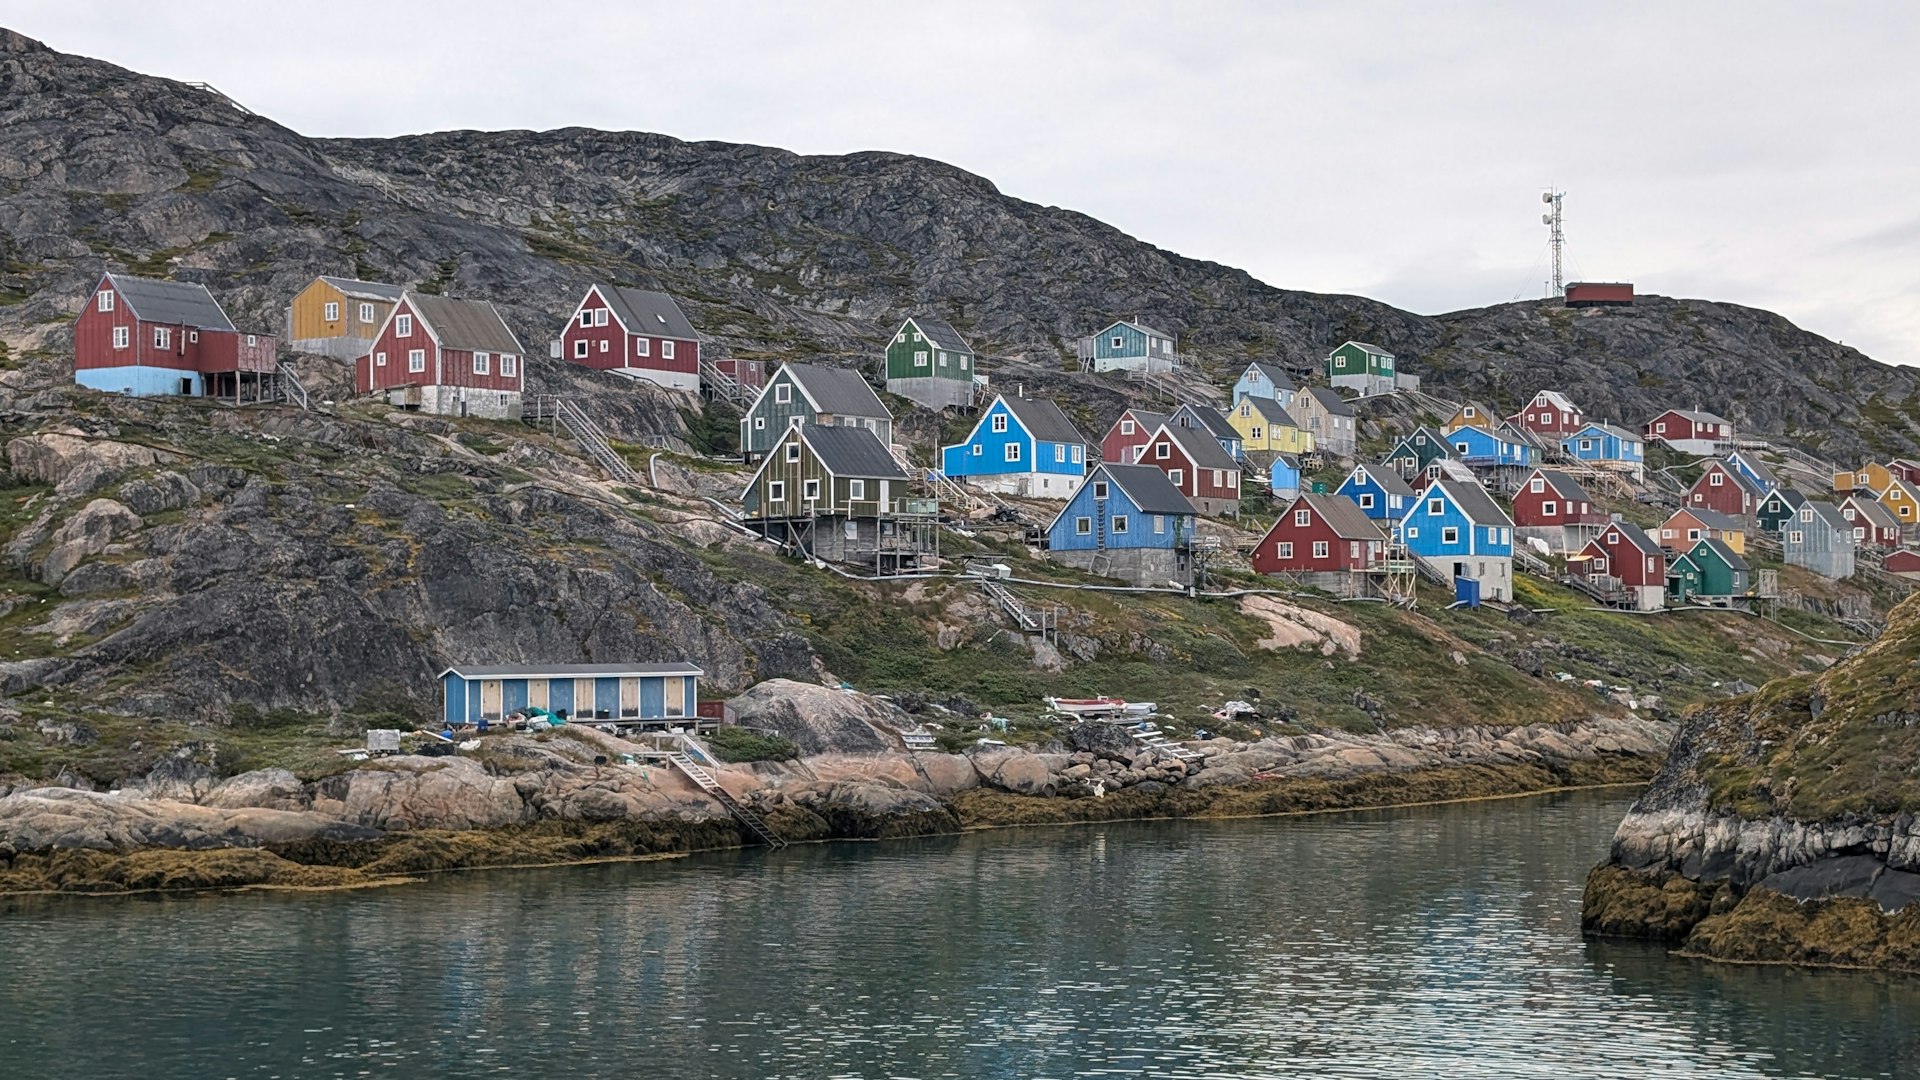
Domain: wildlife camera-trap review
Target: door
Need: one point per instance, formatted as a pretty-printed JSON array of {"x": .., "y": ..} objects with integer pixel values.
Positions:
[
  {"x": 186, "y": 387},
  {"x": 490, "y": 699},
  {"x": 676, "y": 688},
  {"x": 583, "y": 697},
  {"x": 537, "y": 694},
  {"x": 629, "y": 697}
]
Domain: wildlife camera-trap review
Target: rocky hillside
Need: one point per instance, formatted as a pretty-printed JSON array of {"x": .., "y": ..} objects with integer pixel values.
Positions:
[
  {"x": 1785, "y": 825},
  {"x": 783, "y": 255}
]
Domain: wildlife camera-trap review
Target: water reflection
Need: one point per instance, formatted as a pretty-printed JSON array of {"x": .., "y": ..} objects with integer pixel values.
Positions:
[{"x": 1430, "y": 942}]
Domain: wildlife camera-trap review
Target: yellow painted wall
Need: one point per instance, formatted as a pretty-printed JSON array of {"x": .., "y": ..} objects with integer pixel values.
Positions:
[
  {"x": 308, "y": 314},
  {"x": 1481, "y": 418},
  {"x": 1274, "y": 438},
  {"x": 1904, "y": 501}
]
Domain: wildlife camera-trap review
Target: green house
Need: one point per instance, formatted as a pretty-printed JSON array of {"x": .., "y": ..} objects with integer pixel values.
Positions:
[
  {"x": 1712, "y": 570},
  {"x": 1363, "y": 367},
  {"x": 810, "y": 394},
  {"x": 930, "y": 363}
]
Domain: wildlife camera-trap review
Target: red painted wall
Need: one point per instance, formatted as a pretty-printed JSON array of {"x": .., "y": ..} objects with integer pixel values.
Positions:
[
  {"x": 454, "y": 368},
  {"x": 1728, "y": 496},
  {"x": 1117, "y": 447},
  {"x": 1629, "y": 563},
  {"x": 189, "y": 348},
  {"x": 1529, "y": 509},
  {"x": 1547, "y": 420},
  {"x": 1598, "y": 292},
  {"x": 613, "y": 345},
  {"x": 1267, "y": 560},
  {"x": 1194, "y": 483}
]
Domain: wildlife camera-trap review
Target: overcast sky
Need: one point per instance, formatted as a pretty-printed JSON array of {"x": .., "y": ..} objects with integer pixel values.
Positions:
[{"x": 1759, "y": 153}]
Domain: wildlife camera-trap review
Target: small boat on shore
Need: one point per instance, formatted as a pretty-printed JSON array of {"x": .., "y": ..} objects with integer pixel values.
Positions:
[{"x": 1100, "y": 706}]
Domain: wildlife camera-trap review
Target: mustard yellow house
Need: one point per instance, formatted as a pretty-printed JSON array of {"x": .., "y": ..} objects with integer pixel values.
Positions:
[
  {"x": 1265, "y": 426},
  {"x": 1902, "y": 499},
  {"x": 1472, "y": 414},
  {"x": 1872, "y": 478},
  {"x": 339, "y": 317}
]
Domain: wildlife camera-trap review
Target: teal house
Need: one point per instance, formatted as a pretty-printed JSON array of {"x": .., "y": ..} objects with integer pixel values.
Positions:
[
  {"x": 1417, "y": 450},
  {"x": 636, "y": 692},
  {"x": 1128, "y": 345},
  {"x": 1711, "y": 572},
  {"x": 810, "y": 394}
]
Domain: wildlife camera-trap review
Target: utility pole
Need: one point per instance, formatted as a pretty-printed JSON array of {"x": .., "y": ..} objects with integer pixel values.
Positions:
[{"x": 1557, "y": 237}]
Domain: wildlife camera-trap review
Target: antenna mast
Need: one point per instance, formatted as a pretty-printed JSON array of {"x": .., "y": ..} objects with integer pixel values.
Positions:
[{"x": 1557, "y": 237}]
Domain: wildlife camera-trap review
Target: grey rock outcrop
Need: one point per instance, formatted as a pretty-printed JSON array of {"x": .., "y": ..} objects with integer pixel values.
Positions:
[{"x": 818, "y": 719}]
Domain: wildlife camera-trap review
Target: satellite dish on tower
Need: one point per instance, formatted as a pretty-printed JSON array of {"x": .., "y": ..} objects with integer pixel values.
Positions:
[
  {"x": 1546, "y": 196},
  {"x": 1546, "y": 219}
]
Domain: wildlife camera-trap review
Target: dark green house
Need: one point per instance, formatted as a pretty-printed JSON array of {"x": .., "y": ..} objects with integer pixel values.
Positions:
[
  {"x": 1415, "y": 451},
  {"x": 928, "y": 362},
  {"x": 1711, "y": 573},
  {"x": 1778, "y": 508},
  {"x": 809, "y": 394},
  {"x": 1363, "y": 367}
]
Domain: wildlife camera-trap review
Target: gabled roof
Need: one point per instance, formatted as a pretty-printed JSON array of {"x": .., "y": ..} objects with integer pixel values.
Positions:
[
  {"x": 1330, "y": 400},
  {"x": 1212, "y": 419},
  {"x": 1288, "y": 460},
  {"x": 1873, "y": 510},
  {"x": 1495, "y": 435},
  {"x": 545, "y": 671},
  {"x": 1727, "y": 555},
  {"x": 1565, "y": 486},
  {"x": 1388, "y": 480},
  {"x": 1043, "y": 420},
  {"x": 180, "y": 302},
  {"x": 1270, "y": 410},
  {"x": 1450, "y": 468},
  {"x": 1473, "y": 501},
  {"x": 1787, "y": 495},
  {"x": 1434, "y": 439},
  {"x": 1738, "y": 478},
  {"x": 1147, "y": 420},
  {"x": 1274, "y": 373},
  {"x": 1201, "y": 448},
  {"x": 1712, "y": 519},
  {"x": 851, "y": 451},
  {"x": 1829, "y": 514},
  {"x": 645, "y": 312},
  {"x": 464, "y": 324},
  {"x": 364, "y": 290},
  {"x": 1556, "y": 399},
  {"x": 1696, "y": 416},
  {"x": 1762, "y": 477},
  {"x": 1635, "y": 535},
  {"x": 941, "y": 333},
  {"x": 1609, "y": 429},
  {"x": 1363, "y": 347},
  {"x": 1341, "y": 514},
  {"x": 1136, "y": 324},
  {"x": 1147, "y": 488},
  {"x": 840, "y": 391}
]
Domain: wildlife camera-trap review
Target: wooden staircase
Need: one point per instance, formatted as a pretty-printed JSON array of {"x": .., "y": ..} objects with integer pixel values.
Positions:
[
  {"x": 578, "y": 424},
  {"x": 723, "y": 386},
  {"x": 288, "y": 388},
  {"x": 741, "y": 812},
  {"x": 1028, "y": 620},
  {"x": 1149, "y": 736}
]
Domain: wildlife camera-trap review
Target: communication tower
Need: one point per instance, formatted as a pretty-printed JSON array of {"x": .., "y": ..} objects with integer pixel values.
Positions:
[{"x": 1557, "y": 237}]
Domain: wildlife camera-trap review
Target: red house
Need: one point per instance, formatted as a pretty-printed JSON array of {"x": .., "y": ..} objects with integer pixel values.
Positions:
[
  {"x": 1628, "y": 562},
  {"x": 1599, "y": 293},
  {"x": 1552, "y": 506},
  {"x": 1549, "y": 413},
  {"x": 1691, "y": 431},
  {"x": 637, "y": 333},
  {"x": 1128, "y": 434},
  {"x": 1872, "y": 523},
  {"x": 1726, "y": 489},
  {"x": 447, "y": 356},
  {"x": 150, "y": 338},
  {"x": 1197, "y": 464},
  {"x": 1905, "y": 562},
  {"x": 1321, "y": 534}
]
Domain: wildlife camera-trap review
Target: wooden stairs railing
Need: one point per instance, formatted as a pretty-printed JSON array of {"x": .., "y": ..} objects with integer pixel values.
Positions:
[
  {"x": 1150, "y": 736},
  {"x": 1531, "y": 563},
  {"x": 288, "y": 387},
  {"x": 585, "y": 432},
  {"x": 741, "y": 812},
  {"x": 1025, "y": 619},
  {"x": 722, "y": 385}
]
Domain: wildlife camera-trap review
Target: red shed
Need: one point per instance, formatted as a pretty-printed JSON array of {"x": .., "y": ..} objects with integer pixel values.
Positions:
[
  {"x": 635, "y": 332},
  {"x": 1128, "y": 434},
  {"x": 1197, "y": 464},
  {"x": 1599, "y": 293},
  {"x": 447, "y": 356},
  {"x": 1872, "y": 523},
  {"x": 153, "y": 338},
  {"x": 1726, "y": 489},
  {"x": 1320, "y": 533},
  {"x": 1905, "y": 562}
]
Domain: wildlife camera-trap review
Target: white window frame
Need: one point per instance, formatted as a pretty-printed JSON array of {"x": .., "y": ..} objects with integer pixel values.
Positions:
[
  {"x": 1078, "y": 455},
  {"x": 586, "y": 319},
  {"x": 331, "y": 311},
  {"x": 776, "y": 491},
  {"x": 1059, "y": 453},
  {"x": 417, "y": 360},
  {"x": 856, "y": 490},
  {"x": 1083, "y": 526},
  {"x": 366, "y": 313},
  {"x": 1162, "y": 452},
  {"x": 642, "y": 346},
  {"x": 759, "y": 423},
  {"x": 998, "y": 424},
  {"x": 403, "y": 326},
  {"x": 783, "y": 394},
  {"x": 380, "y": 359},
  {"x": 1366, "y": 500},
  {"x": 482, "y": 363},
  {"x": 1549, "y": 508},
  {"x": 1537, "y": 485},
  {"x": 580, "y": 348},
  {"x": 163, "y": 337},
  {"x": 1013, "y": 452},
  {"x": 106, "y": 300},
  {"x": 599, "y": 316},
  {"x": 1284, "y": 550},
  {"x": 1320, "y": 549},
  {"x": 810, "y": 490},
  {"x": 1449, "y": 534},
  {"x": 1302, "y": 518},
  {"x": 1118, "y": 525},
  {"x": 920, "y": 358},
  {"x": 1436, "y": 507},
  {"x": 1178, "y": 476},
  {"x": 509, "y": 365},
  {"x": 792, "y": 452},
  {"x": 1100, "y": 489},
  {"x": 666, "y": 350},
  {"x": 605, "y": 345},
  {"x": 1159, "y": 524},
  {"x": 122, "y": 336}
]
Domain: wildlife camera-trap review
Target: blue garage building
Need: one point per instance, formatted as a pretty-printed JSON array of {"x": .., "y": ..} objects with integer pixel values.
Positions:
[{"x": 582, "y": 691}]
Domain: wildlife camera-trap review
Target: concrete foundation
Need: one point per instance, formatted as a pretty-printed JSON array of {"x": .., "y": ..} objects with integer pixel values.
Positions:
[
  {"x": 933, "y": 393},
  {"x": 340, "y": 348},
  {"x": 459, "y": 401},
  {"x": 1028, "y": 485},
  {"x": 1136, "y": 566}
]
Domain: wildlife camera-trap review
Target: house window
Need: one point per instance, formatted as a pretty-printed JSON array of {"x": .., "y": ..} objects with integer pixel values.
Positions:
[
  {"x": 380, "y": 359},
  {"x": 252, "y": 340},
  {"x": 1100, "y": 489},
  {"x": 1549, "y": 508},
  {"x": 793, "y": 452},
  {"x": 417, "y": 360},
  {"x": 1159, "y": 524},
  {"x": 1460, "y": 446},
  {"x": 1319, "y": 549},
  {"x": 978, "y": 449},
  {"x": 1436, "y": 507},
  {"x": 759, "y": 423},
  {"x": 106, "y": 301},
  {"x": 509, "y": 365},
  {"x": 403, "y": 326},
  {"x": 1714, "y": 479},
  {"x": 580, "y": 348},
  {"x": 1449, "y": 535},
  {"x": 1302, "y": 518},
  {"x": 120, "y": 335},
  {"x": 782, "y": 394},
  {"x": 586, "y": 320},
  {"x": 1660, "y": 428},
  {"x": 1160, "y": 452},
  {"x": 856, "y": 489},
  {"x": 810, "y": 491},
  {"x": 666, "y": 350},
  {"x": 1467, "y": 412},
  {"x": 599, "y": 316},
  {"x": 1537, "y": 485},
  {"x": 1693, "y": 535},
  {"x": 162, "y": 337},
  {"x": 900, "y": 338},
  {"x": 1178, "y": 476},
  {"x": 603, "y": 344},
  {"x": 920, "y": 358},
  {"x": 1366, "y": 500},
  {"x": 366, "y": 313},
  {"x": 482, "y": 363},
  {"x": 777, "y": 491},
  {"x": 1059, "y": 453},
  {"x": 999, "y": 422},
  {"x": 642, "y": 346},
  {"x": 1794, "y": 537},
  {"x": 1126, "y": 427},
  {"x": 1013, "y": 451},
  {"x": 1083, "y": 526},
  {"x": 332, "y": 311},
  {"x": 964, "y": 361},
  {"x": 1413, "y": 532},
  {"x": 1119, "y": 523},
  {"x": 1285, "y": 550}
]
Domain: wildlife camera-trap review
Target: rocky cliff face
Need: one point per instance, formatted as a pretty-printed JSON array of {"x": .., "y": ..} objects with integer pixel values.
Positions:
[
  {"x": 1783, "y": 824},
  {"x": 783, "y": 255}
]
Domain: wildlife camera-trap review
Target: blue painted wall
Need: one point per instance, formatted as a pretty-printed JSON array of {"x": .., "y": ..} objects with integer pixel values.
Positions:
[
  {"x": 1486, "y": 448},
  {"x": 1254, "y": 383},
  {"x": 1283, "y": 479},
  {"x": 1064, "y": 535},
  {"x": 460, "y": 702},
  {"x": 984, "y": 453},
  {"x": 139, "y": 380},
  {"x": 1361, "y": 482},
  {"x": 1425, "y": 531},
  {"x": 1133, "y": 343},
  {"x": 1602, "y": 446}
]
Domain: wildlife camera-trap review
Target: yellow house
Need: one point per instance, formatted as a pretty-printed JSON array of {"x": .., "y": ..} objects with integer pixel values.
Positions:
[
  {"x": 1902, "y": 498},
  {"x": 1471, "y": 415},
  {"x": 1266, "y": 426},
  {"x": 339, "y": 317},
  {"x": 1872, "y": 478}
]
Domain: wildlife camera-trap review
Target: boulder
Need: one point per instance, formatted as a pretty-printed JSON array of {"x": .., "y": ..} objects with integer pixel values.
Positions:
[
  {"x": 43, "y": 819},
  {"x": 87, "y": 533},
  {"x": 76, "y": 465},
  {"x": 1014, "y": 770},
  {"x": 817, "y": 719}
]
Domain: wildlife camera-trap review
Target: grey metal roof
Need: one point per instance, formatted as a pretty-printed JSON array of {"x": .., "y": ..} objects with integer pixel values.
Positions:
[
  {"x": 1390, "y": 482},
  {"x": 1727, "y": 554},
  {"x": 1566, "y": 486},
  {"x": 1789, "y": 496},
  {"x": 642, "y": 311},
  {"x": 1212, "y": 419},
  {"x": 542, "y": 671},
  {"x": 1374, "y": 349},
  {"x": 1831, "y": 515},
  {"x": 852, "y": 451},
  {"x": 1617, "y": 432},
  {"x": 1043, "y": 420},
  {"x": 363, "y": 290},
  {"x": 840, "y": 391},
  {"x": 1274, "y": 373},
  {"x": 941, "y": 333},
  {"x": 1200, "y": 446},
  {"x": 1473, "y": 500},
  {"x": 1882, "y": 518},
  {"x": 1714, "y": 519},
  {"x": 1147, "y": 487},
  {"x": 1145, "y": 419},
  {"x": 1699, "y": 417},
  {"x": 1137, "y": 325},
  {"x": 1331, "y": 401},
  {"x": 1271, "y": 411},
  {"x": 464, "y": 324},
  {"x": 1636, "y": 536},
  {"x": 1341, "y": 514},
  {"x": 1763, "y": 477},
  {"x": 179, "y": 302}
]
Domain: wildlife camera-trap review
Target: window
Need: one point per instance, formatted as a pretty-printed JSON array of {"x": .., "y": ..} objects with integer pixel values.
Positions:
[
  {"x": 1660, "y": 428},
  {"x": 1366, "y": 500},
  {"x": 999, "y": 422},
  {"x": 1256, "y": 432},
  {"x": 252, "y": 340},
  {"x": 810, "y": 491},
  {"x": 782, "y": 394},
  {"x": 1586, "y": 445},
  {"x": 978, "y": 449},
  {"x": 380, "y": 359},
  {"x": 1319, "y": 549},
  {"x": 106, "y": 300},
  {"x": 1795, "y": 536},
  {"x": 1537, "y": 485},
  {"x": 403, "y": 326},
  {"x": 1285, "y": 550},
  {"x": 1178, "y": 476},
  {"x": 121, "y": 337},
  {"x": 642, "y": 346},
  {"x": 1460, "y": 446},
  {"x": 1118, "y": 342},
  {"x": 1693, "y": 535},
  {"x": 599, "y": 316},
  {"x": 366, "y": 313},
  {"x": 1159, "y": 524},
  {"x": 1079, "y": 454},
  {"x": 482, "y": 363},
  {"x": 1013, "y": 451},
  {"x": 759, "y": 423},
  {"x": 1302, "y": 518},
  {"x": 162, "y": 337},
  {"x": 1413, "y": 532},
  {"x": 1714, "y": 479},
  {"x": 603, "y": 344},
  {"x": 1119, "y": 523},
  {"x": 1467, "y": 412},
  {"x": 331, "y": 311},
  {"x": 900, "y": 338},
  {"x": 1083, "y": 526},
  {"x": 1160, "y": 452},
  {"x": 777, "y": 491},
  {"x": 586, "y": 320},
  {"x": 941, "y": 358},
  {"x": 1436, "y": 507},
  {"x": 793, "y": 452},
  {"x": 580, "y": 348},
  {"x": 1449, "y": 535},
  {"x": 1506, "y": 536},
  {"x": 1059, "y": 453},
  {"x": 920, "y": 358},
  {"x": 1550, "y": 508},
  {"x": 509, "y": 365},
  {"x": 1126, "y": 427},
  {"x": 666, "y": 350},
  {"x": 1100, "y": 489},
  {"x": 417, "y": 360}
]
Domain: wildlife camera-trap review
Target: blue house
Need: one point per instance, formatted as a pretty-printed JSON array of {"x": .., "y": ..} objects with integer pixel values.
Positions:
[
  {"x": 1268, "y": 381},
  {"x": 1212, "y": 421},
  {"x": 1608, "y": 447},
  {"x": 1379, "y": 492},
  {"x": 1283, "y": 477},
  {"x": 1128, "y": 345},
  {"x": 1478, "y": 448},
  {"x": 1021, "y": 446},
  {"x": 637, "y": 692},
  {"x": 1458, "y": 531},
  {"x": 1756, "y": 471},
  {"x": 1126, "y": 521}
]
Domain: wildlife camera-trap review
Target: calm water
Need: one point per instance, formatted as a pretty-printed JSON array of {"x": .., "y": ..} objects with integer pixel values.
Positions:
[{"x": 1436, "y": 942}]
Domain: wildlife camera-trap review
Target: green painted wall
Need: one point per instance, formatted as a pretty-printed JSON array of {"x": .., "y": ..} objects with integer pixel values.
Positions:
[
  {"x": 1351, "y": 359},
  {"x": 940, "y": 363},
  {"x": 755, "y": 437},
  {"x": 835, "y": 492}
]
